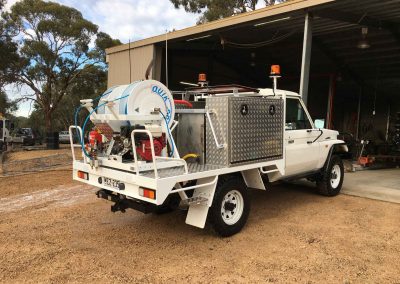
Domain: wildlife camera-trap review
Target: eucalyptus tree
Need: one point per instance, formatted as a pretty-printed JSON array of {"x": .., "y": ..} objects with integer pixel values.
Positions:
[
  {"x": 211, "y": 10},
  {"x": 56, "y": 46}
]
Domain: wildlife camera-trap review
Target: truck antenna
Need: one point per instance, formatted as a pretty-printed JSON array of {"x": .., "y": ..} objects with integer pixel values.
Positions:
[
  {"x": 130, "y": 63},
  {"x": 166, "y": 58}
]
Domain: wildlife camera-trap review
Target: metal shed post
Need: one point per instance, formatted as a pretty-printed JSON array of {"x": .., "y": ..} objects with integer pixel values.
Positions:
[{"x": 306, "y": 57}]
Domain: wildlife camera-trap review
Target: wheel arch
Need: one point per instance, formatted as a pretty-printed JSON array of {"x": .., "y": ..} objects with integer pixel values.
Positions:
[{"x": 338, "y": 148}]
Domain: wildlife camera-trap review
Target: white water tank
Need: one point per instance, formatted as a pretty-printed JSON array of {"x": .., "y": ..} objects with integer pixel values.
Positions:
[{"x": 138, "y": 98}]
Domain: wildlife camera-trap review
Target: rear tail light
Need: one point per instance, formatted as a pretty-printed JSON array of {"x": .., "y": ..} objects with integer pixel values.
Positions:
[
  {"x": 83, "y": 175},
  {"x": 148, "y": 193}
]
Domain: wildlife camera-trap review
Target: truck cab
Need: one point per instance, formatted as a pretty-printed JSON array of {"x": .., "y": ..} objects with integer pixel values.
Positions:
[
  {"x": 5, "y": 128},
  {"x": 6, "y": 139}
]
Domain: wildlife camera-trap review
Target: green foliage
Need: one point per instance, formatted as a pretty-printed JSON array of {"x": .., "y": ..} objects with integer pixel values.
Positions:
[
  {"x": 8, "y": 51},
  {"x": 54, "y": 53},
  {"x": 213, "y": 10},
  {"x": 91, "y": 84},
  {"x": 6, "y": 106},
  {"x": 21, "y": 122},
  {"x": 104, "y": 41}
]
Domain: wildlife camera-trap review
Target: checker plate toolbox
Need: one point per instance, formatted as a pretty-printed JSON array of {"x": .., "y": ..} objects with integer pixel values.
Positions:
[{"x": 249, "y": 127}]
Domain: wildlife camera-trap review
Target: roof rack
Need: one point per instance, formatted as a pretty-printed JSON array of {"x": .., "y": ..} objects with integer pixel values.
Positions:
[{"x": 221, "y": 89}]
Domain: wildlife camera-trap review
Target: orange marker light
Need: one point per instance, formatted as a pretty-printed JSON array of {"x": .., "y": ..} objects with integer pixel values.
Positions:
[
  {"x": 202, "y": 77},
  {"x": 83, "y": 175},
  {"x": 151, "y": 194},
  {"x": 275, "y": 70},
  {"x": 148, "y": 193}
]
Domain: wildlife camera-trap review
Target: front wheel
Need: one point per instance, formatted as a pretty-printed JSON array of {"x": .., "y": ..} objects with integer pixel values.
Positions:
[
  {"x": 231, "y": 206},
  {"x": 331, "y": 180}
]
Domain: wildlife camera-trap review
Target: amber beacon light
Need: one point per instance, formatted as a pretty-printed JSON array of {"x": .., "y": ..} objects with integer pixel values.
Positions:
[
  {"x": 202, "y": 77},
  {"x": 275, "y": 70},
  {"x": 275, "y": 74}
]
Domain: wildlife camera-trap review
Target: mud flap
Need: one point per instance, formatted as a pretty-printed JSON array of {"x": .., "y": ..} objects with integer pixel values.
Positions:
[
  {"x": 197, "y": 214},
  {"x": 253, "y": 179}
]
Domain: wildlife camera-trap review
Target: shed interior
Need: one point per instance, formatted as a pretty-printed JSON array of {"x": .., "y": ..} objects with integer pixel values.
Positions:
[{"x": 355, "y": 89}]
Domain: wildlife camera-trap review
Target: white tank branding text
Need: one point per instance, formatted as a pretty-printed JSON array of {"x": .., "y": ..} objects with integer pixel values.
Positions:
[{"x": 159, "y": 91}]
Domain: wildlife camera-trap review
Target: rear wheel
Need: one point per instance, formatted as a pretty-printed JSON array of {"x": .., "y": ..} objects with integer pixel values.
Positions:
[
  {"x": 231, "y": 206},
  {"x": 169, "y": 205},
  {"x": 331, "y": 181}
]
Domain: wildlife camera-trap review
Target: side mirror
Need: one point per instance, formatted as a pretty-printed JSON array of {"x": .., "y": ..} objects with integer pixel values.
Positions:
[
  {"x": 12, "y": 126},
  {"x": 319, "y": 123}
]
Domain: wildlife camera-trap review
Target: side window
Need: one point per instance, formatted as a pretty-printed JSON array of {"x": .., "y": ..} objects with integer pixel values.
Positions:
[{"x": 296, "y": 117}]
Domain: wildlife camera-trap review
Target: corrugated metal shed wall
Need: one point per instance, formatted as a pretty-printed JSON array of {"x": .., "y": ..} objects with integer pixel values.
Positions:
[{"x": 118, "y": 72}]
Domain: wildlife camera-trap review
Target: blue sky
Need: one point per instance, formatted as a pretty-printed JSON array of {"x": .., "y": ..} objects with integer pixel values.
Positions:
[{"x": 122, "y": 19}]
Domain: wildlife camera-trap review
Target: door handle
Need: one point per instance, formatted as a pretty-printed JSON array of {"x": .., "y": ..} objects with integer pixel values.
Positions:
[{"x": 290, "y": 141}]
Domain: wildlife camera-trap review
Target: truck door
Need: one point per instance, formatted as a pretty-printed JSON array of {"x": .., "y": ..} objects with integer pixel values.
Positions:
[{"x": 301, "y": 153}]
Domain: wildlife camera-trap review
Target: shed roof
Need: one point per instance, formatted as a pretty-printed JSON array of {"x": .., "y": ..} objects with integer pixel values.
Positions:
[
  {"x": 237, "y": 20},
  {"x": 337, "y": 29}
]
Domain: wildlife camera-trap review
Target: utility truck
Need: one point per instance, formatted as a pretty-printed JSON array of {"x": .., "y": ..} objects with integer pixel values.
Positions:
[
  {"x": 6, "y": 139},
  {"x": 203, "y": 148}
]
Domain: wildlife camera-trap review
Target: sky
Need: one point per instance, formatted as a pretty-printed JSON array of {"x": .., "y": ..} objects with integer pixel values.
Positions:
[{"x": 122, "y": 19}]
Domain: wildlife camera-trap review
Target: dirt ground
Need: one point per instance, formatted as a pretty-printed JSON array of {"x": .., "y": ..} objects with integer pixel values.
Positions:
[
  {"x": 21, "y": 155},
  {"x": 24, "y": 161},
  {"x": 56, "y": 230}
]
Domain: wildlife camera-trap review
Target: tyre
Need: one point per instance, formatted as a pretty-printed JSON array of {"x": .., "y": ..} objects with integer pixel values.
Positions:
[
  {"x": 169, "y": 205},
  {"x": 231, "y": 206},
  {"x": 331, "y": 181}
]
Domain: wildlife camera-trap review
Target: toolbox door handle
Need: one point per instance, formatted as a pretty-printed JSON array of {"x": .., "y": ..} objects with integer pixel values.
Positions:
[{"x": 290, "y": 141}]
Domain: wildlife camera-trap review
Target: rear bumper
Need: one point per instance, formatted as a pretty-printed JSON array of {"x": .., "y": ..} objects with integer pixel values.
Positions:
[
  {"x": 122, "y": 203},
  {"x": 130, "y": 180}
]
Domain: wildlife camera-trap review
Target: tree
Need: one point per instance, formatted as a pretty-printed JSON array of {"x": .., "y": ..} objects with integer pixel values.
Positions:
[
  {"x": 54, "y": 52},
  {"x": 91, "y": 84},
  {"x": 6, "y": 106},
  {"x": 8, "y": 55},
  {"x": 213, "y": 10},
  {"x": 8, "y": 50}
]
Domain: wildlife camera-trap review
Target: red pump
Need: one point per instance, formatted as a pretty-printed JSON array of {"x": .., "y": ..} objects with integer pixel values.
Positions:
[
  {"x": 95, "y": 136},
  {"x": 144, "y": 149}
]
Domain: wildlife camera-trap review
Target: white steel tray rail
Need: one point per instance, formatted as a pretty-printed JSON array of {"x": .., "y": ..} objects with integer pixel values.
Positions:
[
  {"x": 154, "y": 158},
  {"x": 71, "y": 140}
]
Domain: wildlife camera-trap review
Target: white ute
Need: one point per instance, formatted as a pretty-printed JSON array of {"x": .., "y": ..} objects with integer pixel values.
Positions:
[
  {"x": 151, "y": 152},
  {"x": 7, "y": 141}
]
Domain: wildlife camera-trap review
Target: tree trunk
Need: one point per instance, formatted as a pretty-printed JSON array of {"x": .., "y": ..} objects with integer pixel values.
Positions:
[
  {"x": 52, "y": 139},
  {"x": 48, "y": 121}
]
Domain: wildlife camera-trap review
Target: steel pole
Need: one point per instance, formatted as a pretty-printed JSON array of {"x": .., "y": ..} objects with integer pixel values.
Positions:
[
  {"x": 306, "y": 57},
  {"x": 359, "y": 114}
]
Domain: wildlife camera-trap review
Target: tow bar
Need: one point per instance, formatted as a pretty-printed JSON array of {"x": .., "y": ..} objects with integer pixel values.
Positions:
[{"x": 122, "y": 202}]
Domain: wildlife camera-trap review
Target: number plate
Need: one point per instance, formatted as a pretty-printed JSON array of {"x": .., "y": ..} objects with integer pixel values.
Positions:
[{"x": 111, "y": 182}]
